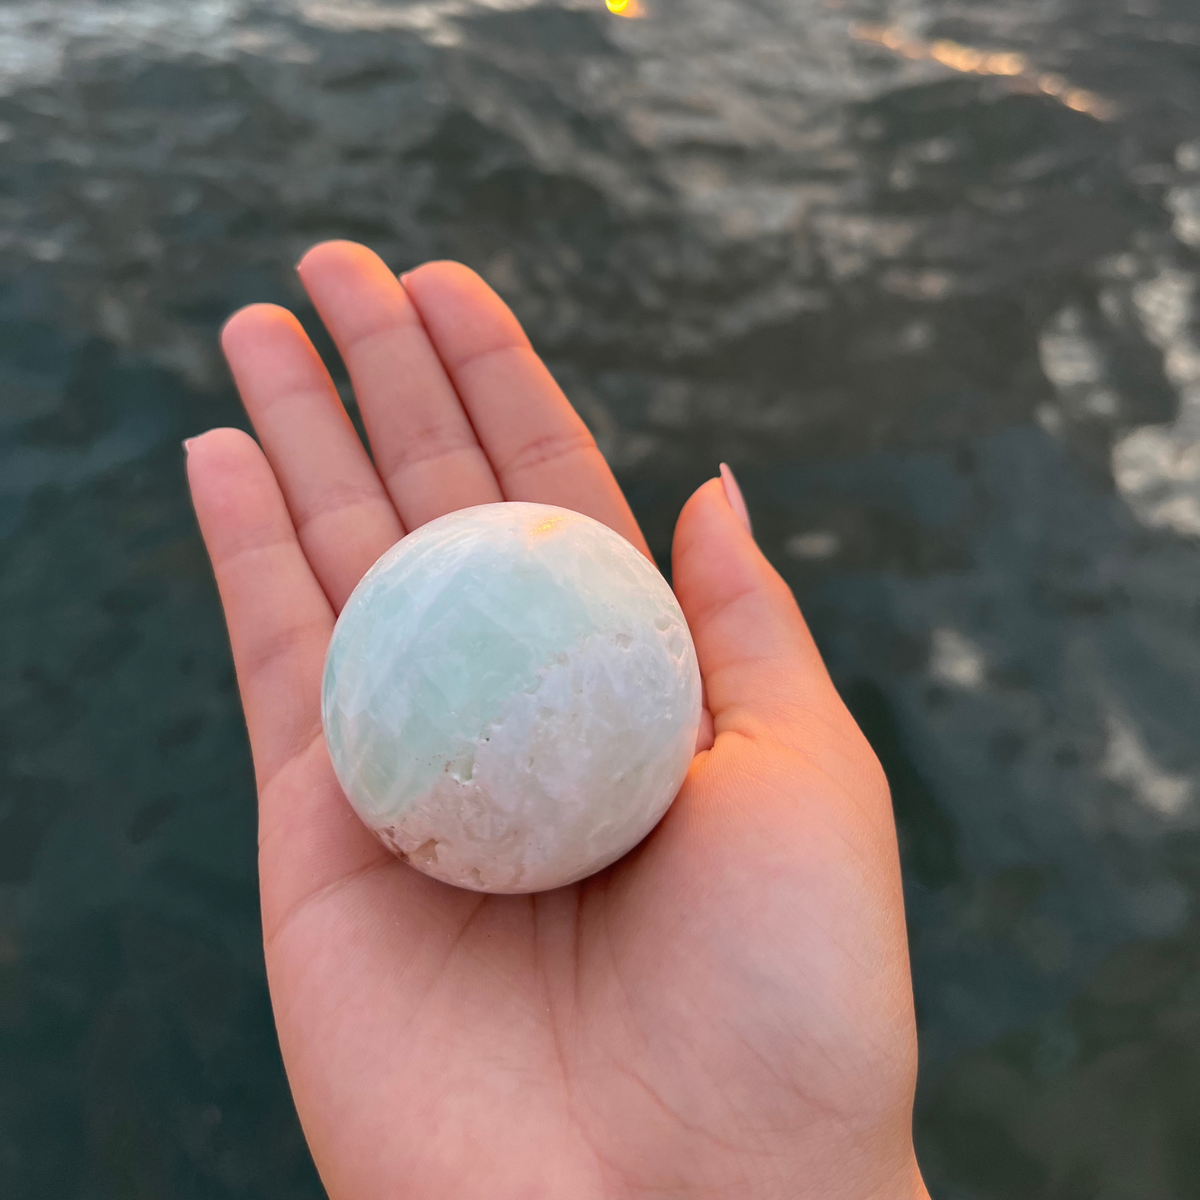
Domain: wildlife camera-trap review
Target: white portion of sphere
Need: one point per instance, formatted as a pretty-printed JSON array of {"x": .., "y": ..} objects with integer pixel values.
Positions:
[{"x": 511, "y": 698}]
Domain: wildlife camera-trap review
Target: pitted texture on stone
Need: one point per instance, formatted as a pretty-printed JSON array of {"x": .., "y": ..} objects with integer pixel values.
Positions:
[{"x": 511, "y": 697}]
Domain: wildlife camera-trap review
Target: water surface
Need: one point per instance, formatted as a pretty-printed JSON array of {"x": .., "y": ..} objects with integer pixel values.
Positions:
[{"x": 924, "y": 272}]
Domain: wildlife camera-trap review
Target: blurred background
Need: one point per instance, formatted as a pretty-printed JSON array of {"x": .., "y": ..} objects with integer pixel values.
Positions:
[{"x": 924, "y": 271}]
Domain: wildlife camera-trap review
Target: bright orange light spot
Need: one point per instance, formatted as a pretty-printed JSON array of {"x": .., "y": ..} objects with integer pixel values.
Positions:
[
  {"x": 971, "y": 61},
  {"x": 549, "y": 525},
  {"x": 1007, "y": 64},
  {"x": 626, "y": 8},
  {"x": 958, "y": 58},
  {"x": 1087, "y": 102}
]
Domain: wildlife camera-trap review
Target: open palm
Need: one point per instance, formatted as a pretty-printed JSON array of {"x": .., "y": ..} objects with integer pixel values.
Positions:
[{"x": 727, "y": 1011}]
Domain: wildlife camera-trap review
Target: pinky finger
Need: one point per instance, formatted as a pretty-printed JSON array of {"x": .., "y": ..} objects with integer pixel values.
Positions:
[{"x": 278, "y": 617}]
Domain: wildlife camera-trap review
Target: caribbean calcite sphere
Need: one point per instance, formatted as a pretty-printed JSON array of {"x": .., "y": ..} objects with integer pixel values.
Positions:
[{"x": 511, "y": 697}]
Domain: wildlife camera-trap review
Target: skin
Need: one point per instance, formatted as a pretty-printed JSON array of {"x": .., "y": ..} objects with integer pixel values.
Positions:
[{"x": 727, "y": 1011}]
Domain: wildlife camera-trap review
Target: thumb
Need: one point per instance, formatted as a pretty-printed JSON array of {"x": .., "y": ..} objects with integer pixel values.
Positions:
[{"x": 760, "y": 665}]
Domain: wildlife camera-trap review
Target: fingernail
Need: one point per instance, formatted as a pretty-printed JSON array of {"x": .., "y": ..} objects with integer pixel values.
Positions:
[
  {"x": 733, "y": 494},
  {"x": 187, "y": 442},
  {"x": 405, "y": 277}
]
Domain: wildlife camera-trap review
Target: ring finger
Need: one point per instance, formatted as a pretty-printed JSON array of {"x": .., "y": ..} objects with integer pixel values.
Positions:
[{"x": 425, "y": 448}]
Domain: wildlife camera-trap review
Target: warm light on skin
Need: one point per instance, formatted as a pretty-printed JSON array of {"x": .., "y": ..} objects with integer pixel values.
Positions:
[{"x": 971, "y": 61}]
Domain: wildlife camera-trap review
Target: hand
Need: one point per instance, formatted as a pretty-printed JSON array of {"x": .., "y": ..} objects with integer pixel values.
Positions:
[{"x": 727, "y": 1011}]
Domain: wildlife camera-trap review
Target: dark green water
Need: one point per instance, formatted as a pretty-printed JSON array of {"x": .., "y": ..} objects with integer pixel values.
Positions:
[{"x": 945, "y": 327}]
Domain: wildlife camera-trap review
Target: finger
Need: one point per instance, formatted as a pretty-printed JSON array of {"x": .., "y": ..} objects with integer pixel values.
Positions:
[
  {"x": 781, "y": 727},
  {"x": 278, "y": 617},
  {"x": 536, "y": 442},
  {"x": 279, "y": 627},
  {"x": 759, "y": 662},
  {"x": 343, "y": 517},
  {"x": 426, "y": 452}
]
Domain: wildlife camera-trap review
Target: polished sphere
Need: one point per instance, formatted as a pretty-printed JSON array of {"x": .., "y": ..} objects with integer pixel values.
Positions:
[{"x": 511, "y": 697}]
